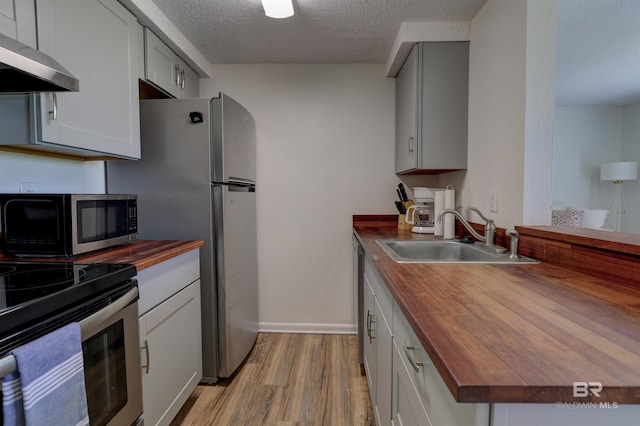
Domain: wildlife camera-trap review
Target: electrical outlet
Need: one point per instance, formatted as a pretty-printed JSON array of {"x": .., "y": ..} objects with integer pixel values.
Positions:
[
  {"x": 493, "y": 200},
  {"x": 28, "y": 187}
]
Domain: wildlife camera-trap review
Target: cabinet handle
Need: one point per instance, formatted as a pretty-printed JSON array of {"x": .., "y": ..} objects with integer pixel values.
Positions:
[
  {"x": 408, "y": 351},
  {"x": 53, "y": 106},
  {"x": 410, "y": 146},
  {"x": 177, "y": 71},
  {"x": 146, "y": 350},
  {"x": 182, "y": 79},
  {"x": 371, "y": 319},
  {"x": 369, "y": 324}
]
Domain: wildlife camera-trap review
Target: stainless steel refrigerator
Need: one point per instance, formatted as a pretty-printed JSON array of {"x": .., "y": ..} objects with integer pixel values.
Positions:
[{"x": 196, "y": 180}]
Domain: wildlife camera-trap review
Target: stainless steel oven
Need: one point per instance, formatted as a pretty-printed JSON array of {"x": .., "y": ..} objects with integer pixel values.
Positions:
[
  {"x": 113, "y": 378},
  {"x": 103, "y": 299}
]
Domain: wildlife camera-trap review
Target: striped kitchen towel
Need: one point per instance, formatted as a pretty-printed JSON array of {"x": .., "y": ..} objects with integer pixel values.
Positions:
[
  {"x": 12, "y": 409},
  {"x": 51, "y": 373}
]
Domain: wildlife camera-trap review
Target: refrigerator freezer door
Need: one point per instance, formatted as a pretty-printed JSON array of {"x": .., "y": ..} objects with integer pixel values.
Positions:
[
  {"x": 237, "y": 269},
  {"x": 234, "y": 141}
]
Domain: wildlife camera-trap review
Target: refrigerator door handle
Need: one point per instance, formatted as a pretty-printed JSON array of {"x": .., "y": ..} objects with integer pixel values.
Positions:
[{"x": 237, "y": 186}]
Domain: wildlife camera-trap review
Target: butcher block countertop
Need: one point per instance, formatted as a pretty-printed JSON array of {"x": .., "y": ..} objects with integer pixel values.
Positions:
[
  {"x": 516, "y": 333},
  {"x": 143, "y": 253}
]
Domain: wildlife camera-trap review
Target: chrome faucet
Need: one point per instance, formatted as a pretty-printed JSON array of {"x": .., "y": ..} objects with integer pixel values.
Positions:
[{"x": 489, "y": 228}]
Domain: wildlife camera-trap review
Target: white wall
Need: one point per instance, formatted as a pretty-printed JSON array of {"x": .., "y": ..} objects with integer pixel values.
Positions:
[
  {"x": 631, "y": 152},
  {"x": 325, "y": 151},
  {"x": 585, "y": 137},
  {"x": 51, "y": 174},
  {"x": 511, "y": 104}
]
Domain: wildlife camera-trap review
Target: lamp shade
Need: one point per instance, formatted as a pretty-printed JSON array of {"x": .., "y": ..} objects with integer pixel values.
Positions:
[
  {"x": 278, "y": 8},
  {"x": 622, "y": 170}
]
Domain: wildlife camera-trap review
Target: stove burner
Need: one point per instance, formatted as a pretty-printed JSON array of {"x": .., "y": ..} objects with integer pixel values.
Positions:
[
  {"x": 33, "y": 292},
  {"x": 39, "y": 278},
  {"x": 7, "y": 270}
]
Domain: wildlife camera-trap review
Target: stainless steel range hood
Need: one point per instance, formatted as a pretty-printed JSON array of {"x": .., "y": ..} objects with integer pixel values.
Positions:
[{"x": 27, "y": 70}]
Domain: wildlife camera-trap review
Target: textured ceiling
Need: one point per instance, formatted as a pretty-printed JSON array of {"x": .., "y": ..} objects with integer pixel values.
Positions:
[
  {"x": 598, "y": 51},
  {"x": 321, "y": 31}
]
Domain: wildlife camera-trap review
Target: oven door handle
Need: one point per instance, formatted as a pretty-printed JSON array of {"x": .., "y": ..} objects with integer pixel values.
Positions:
[
  {"x": 92, "y": 321},
  {"x": 8, "y": 363}
]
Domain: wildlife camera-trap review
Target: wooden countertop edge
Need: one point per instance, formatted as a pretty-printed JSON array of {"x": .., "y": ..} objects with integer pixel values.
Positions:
[
  {"x": 466, "y": 392},
  {"x": 141, "y": 253},
  {"x": 628, "y": 244}
]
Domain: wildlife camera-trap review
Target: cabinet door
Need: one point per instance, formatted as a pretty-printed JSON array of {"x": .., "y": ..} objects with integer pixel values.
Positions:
[
  {"x": 383, "y": 359},
  {"x": 18, "y": 21},
  {"x": 407, "y": 408},
  {"x": 96, "y": 40},
  {"x": 428, "y": 384},
  {"x": 444, "y": 104},
  {"x": 189, "y": 81},
  {"x": 171, "y": 342},
  {"x": 161, "y": 64},
  {"x": 369, "y": 321},
  {"x": 407, "y": 114}
]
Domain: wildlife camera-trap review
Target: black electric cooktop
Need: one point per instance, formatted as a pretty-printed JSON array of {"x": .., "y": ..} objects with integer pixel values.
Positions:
[{"x": 33, "y": 293}]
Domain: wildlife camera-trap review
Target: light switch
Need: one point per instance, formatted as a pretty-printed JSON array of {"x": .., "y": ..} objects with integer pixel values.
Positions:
[{"x": 493, "y": 200}]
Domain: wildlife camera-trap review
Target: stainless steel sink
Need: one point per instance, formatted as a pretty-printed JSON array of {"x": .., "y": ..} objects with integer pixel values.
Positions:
[{"x": 440, "y": 251}]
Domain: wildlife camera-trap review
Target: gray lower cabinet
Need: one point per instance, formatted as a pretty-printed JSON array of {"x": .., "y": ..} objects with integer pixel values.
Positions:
[
  {"x": 416, "y": 377},
  {"x": 368, "y": 358},
  {"x": 405, "y": 387},
  {"x": 432, "y": 97},
  {"x": 406, "y": 406},
  {"x": 407, "y": 390},
  {"x": 378, "y": 344},
  {"x": 170, "y": 336}
]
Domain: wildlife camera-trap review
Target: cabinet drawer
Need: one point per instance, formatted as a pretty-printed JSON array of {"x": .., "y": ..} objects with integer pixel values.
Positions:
[
  {"x": 407, "y": 408},
  {"x": 443, "y": 410},
  {"x": 159, "y": 282}
]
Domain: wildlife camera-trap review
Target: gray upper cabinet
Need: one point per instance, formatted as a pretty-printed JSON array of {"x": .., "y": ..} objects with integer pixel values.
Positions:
[
  {"x": 96, "y": 40},
  {"x": 18, "y": 21},
  {"x": 432, "y": 95},
  {"x": 166, "y": 70}
]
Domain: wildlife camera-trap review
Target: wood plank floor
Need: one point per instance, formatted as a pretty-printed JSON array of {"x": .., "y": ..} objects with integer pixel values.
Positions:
[{"x": 288, "y": 379}]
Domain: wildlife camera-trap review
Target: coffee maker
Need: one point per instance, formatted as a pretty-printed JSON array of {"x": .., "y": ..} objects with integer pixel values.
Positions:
[{"x": 420, "y": 214}]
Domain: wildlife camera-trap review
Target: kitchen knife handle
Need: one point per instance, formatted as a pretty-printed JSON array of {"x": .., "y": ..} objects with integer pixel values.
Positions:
[{"x": 403, "y": 193}]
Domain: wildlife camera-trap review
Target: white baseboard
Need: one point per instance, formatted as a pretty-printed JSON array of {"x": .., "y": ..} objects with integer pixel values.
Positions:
[{"x": 283, "y": 327}]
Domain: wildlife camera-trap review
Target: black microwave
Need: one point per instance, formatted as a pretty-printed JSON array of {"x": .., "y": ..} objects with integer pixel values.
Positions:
[{"x": 66, "y": 224}]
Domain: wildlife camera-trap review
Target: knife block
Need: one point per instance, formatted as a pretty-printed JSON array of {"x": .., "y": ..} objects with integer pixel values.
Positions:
[{"x": 402, "y": 224}]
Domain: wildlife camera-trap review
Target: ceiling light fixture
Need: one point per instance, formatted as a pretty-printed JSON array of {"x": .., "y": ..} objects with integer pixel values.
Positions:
[{"x": 278, "y": 8}]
